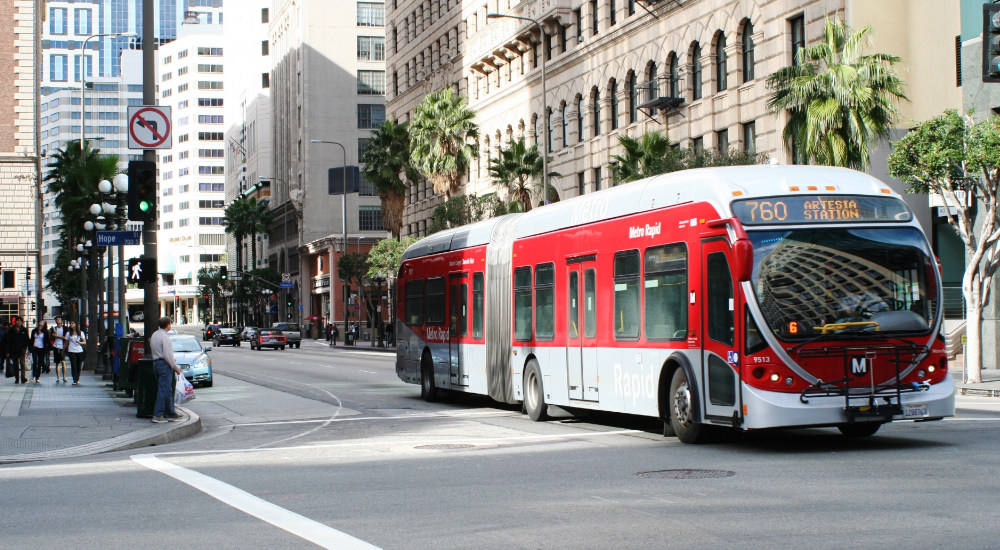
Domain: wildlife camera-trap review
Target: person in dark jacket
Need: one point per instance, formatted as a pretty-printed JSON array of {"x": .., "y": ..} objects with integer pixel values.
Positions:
[{"x": 16, "y": 345}]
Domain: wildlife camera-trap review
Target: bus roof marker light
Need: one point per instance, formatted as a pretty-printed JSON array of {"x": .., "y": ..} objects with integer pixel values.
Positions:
[
  {"x": 831, "y": 187},
  {"x": 737, "y": 193},
  {"x": 886, "y": 191},
  {"x": 813, "y": 188},
  {"x": 793, "y": 188}
]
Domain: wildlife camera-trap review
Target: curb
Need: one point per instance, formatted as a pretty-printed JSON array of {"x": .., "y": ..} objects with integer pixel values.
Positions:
[{"x": 154, "y": 435}]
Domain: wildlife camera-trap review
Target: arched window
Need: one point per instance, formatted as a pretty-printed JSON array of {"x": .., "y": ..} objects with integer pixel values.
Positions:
[
  {"x": 595, "y": 94},
  {"x": 746, "y": 50},
  {"x": 721, "y": 81},
  {"x": 652, "y": 86},
  {"x": 673, "y": 78},
  {"x": 695, "y": 71},
  {"x": 579, "y": 117},
  {"x": 613, "y": 93},
  {"x": 565, "y": 125},
  {"x": 548, "y": 132},
  {"x": 633, "y": 102}
]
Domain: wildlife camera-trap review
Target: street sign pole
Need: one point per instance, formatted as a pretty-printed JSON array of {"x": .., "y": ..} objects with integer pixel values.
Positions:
[{"x": 150, "y": 299}]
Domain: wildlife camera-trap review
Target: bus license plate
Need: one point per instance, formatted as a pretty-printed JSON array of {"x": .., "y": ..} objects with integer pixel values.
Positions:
[{"x": 915, "y": 410}]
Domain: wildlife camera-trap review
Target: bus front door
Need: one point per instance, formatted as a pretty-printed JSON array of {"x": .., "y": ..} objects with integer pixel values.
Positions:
[
  {"x": 458, "y": 326},
  {"x": 720, "y": 352},
  {"x": 581, "y": 328}
]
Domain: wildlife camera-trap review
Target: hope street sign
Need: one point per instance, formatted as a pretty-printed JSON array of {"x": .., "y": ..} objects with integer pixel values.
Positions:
[
  {"x": 118, "y": 238},
  {"x": 286, "y": 285}
]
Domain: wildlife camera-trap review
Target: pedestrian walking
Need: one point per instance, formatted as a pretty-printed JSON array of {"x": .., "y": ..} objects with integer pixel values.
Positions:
[
  {"x": 48, "y": 349},
  {"x": 39, "y": 347},
  {"x": 16, "y": 342},
  {"x": 334, "y": 333},
  {"x": 74, "y": 348},
  {"x": 165, "y": 367},
  {"x": 58, "y": 338}
]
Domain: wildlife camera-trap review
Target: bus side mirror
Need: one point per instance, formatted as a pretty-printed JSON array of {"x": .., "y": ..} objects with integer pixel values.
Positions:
[{"x": 743, "y": 260}]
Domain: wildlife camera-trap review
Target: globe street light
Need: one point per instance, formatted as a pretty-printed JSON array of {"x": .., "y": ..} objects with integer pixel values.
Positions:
[{"x": 545, "y": 104}]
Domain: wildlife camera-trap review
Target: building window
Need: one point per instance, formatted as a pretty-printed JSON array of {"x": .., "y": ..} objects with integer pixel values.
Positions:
[
  {"x": 722, "y": 142},
  {"x": 57, "y": 20},
  {"x": 565, "y": 125},
  {"x": 612, "y": 16},
  {"x": 370, "y": 116},
  {"x": 210, "y": 119},
  {"x": 613, "y": 95},
  {"x": 363, "y": 144},
  {"x": 633, "y": 99},
  {"x": 597, "y": 178},
  {"x": 208, "y": 102},
  {"x": 696, "y": 71},
  {"x": 265, "y": 47},
  {"x": 548, "y": 132},
  {"x": 83, "y": 24},
  {"x": 370, "y": 218},
  {"x": 593, "y": 16},
  {"x": 371, "y": 14},
  {"x": 673, "y": 79},
  {"x": 721, "y": 81},
  {"x": 749, "y": 137},
  {"x": 371, "y": 82},
  {"x": 579, "y": 118},
  {"x": 371, "y": 48},
  {"x": 204, "y": 85},
  {"x": 698, "y": 145},
  {"x": 746, "y": 51},
  {"x": 209, "y": 68},
  {"x": 211, "y": 52},
  {"x": 578, "y": 14},
  {"x": 798, "y": 28},
  {"x": 58, "y": 68},
  {"x": 264, "y": 17}
]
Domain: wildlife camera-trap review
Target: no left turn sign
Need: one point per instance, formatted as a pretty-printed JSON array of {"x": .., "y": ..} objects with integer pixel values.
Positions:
[{"x": 149, "y": 127}]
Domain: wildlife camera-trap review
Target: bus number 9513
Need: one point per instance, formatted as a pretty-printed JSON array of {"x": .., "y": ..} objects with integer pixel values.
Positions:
[{"x": 767, "y": 211}]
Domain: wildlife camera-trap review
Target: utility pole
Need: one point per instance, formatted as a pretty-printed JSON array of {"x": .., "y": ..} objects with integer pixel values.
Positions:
[{"x": 150, "y": 300}]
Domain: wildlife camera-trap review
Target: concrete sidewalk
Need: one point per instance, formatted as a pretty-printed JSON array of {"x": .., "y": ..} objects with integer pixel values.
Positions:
[{"x": 56, "y": 420}]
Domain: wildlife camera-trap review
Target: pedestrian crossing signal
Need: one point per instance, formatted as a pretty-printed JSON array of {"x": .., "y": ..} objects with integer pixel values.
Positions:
[{"x": 141, "y": 270}]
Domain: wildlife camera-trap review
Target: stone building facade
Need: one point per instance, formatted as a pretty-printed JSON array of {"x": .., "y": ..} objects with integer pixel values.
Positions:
[{"x": 19, "y": 161}]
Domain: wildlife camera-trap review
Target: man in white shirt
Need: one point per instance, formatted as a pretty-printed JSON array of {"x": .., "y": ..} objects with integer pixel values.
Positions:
[{"x": 164, "y": 366}]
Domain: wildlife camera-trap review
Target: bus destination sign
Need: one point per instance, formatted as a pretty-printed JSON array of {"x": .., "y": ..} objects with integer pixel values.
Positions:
[{"x": 808, "y": 209}]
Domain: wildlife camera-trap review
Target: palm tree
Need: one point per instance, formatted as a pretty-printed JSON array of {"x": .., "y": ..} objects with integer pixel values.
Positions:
[
  {"x": 643, "y": 157},
  {"x": 839, "y": 101},
  {"x": 387, "y": 166},
  {"x": 235, "y": 223},
  {"x": 259, "y": 219},
  {"x": 73, "y": 178},
  {"x": 444, "y": 139},
  {"x": 514, "y": 169}
]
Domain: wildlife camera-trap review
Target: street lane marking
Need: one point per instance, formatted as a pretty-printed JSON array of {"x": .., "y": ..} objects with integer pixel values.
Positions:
[
  {"x": 400, "y": 417},
  {"x": 298, "y": 525}
]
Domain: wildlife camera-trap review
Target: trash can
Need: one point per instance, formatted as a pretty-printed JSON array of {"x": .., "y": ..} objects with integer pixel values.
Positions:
[{"x": 145, "y": 389}]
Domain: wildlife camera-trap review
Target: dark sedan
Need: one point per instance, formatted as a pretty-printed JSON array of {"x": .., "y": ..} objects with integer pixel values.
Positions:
[
  {"x": 209, "y": 332},
  {"x": 227, "y": 336}
]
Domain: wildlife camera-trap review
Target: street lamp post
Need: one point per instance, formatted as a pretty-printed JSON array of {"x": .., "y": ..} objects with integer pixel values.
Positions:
[
  {"x": 343, "y": 220},
  {"x": 545, "y": 104}
]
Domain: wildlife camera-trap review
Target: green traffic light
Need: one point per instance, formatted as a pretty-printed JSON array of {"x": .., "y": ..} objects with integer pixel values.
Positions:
[{"x": 144, "y": 206}]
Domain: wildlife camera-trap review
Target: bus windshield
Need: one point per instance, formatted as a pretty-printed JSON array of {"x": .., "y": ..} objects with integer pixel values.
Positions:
[{"x": 823, "y": 281}]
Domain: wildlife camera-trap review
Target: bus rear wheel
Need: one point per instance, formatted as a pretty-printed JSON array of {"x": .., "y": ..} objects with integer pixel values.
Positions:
[
  {"x": 860, "y": 429},
  {"x": 534, "y": 393},
  {"x": 428, "y": 391},
  {"x": 682, "y": 416}
]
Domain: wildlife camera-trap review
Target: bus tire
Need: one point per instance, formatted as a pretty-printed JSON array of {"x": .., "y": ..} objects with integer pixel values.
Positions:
[
  {"x": 428, "y": 391},
  {"x": 534, "y": 393},
  {"x": 682, "y": 410},
  {"x": 859, "y": 429}
]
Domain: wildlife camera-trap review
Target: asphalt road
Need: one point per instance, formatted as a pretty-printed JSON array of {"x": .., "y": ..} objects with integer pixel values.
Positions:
[{"x": 317, "y": 447}]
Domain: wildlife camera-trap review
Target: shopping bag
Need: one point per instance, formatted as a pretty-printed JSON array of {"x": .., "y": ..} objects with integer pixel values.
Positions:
[{"x": 183, "y": 390}]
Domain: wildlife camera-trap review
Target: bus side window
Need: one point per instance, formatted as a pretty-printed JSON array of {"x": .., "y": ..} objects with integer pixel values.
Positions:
[
  {"x": 522, "y": 304},
  {"x": 436, "y": 306},
  {"x": 477, "y": 306},
  {"x": 626, "y": 317},
  {"x": 545, "y": 305},
  {"x": 666, "y": 296},
  {"x": 415, "y": 302},
  {"x": 589, "y": 303}
]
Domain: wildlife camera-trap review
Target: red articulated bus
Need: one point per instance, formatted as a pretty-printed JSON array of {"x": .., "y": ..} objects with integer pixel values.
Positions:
[{"x": 747, "y": 297}]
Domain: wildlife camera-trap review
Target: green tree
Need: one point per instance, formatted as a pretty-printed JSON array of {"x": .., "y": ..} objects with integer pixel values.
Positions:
[
  {"x": 653, "y": 154},
  {"x": 256, "y": 291},
  {"x": 235, "y": 223},
  {"x": 387, "y": 255},
  {"x": 260, "y": 218},
  {"x": 444, "y": 139},
  {"x": 465, "y": 209},
  {"x": 953, "y": 156},
  {"x": 211, "y": 284},
  {"x": 352, "y": 268},
  {"x": 839, "y": 101},
  {"x": 65, "y": 284},
  {"x": 387, "y": 166},
  {"x": 518, "y": 170}
]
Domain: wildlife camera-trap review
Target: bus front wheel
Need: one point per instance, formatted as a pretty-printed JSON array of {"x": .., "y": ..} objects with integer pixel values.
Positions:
[
  {"x": 682, "y": 410},
  {"x": 428, "y": 391},
  {"x": 534, "y": 393}
]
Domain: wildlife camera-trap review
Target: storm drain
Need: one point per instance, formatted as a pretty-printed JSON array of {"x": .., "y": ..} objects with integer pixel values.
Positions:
[
  {"x": 685, "y": 474},
  {"x": 445, "y": 446}
]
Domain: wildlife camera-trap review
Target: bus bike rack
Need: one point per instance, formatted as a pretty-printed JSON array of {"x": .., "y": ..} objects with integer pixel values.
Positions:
[{"x": 886, "y": 391}]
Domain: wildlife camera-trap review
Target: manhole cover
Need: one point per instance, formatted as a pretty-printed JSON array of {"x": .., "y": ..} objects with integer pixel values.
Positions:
[
  {"x": 685, "y": 474},
  {"x": 445, "y": 446}
]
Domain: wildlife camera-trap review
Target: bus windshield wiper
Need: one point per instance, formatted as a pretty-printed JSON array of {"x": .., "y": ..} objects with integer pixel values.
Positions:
[{"x": 844, "y": 331}]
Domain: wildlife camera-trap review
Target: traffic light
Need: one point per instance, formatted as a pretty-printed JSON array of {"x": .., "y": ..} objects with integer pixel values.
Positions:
[
  {"x": 224, "y": 273},
  {"x": 141, "y": 271},
  {"x": 289, "y": 301},
  {"x": 991, "y": 42},
  {"x": 142, "y": 191},
  {"x": 28, "y": 274}
]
